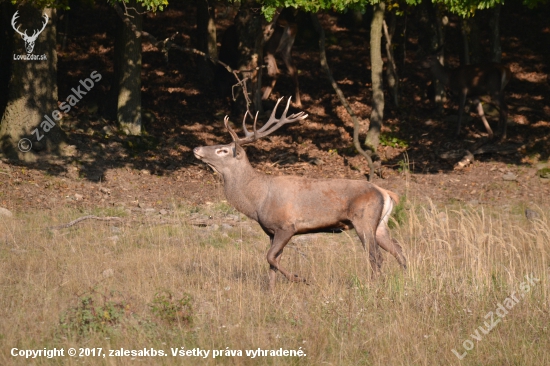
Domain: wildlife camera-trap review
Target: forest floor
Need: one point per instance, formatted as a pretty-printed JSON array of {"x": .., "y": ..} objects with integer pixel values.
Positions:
[
  {"x": 180, "y": 269},
  {"x": 101, "y": 168}
]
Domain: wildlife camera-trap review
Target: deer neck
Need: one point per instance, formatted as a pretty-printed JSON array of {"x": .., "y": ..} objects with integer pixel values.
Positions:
[{"x": 246, "y": 189}]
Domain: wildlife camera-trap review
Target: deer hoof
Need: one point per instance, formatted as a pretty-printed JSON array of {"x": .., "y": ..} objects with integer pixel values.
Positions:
[{"x": 297, "y": 278}]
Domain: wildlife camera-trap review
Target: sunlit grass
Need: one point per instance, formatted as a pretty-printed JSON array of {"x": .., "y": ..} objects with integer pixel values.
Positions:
[{"x": 137, "y": 285}]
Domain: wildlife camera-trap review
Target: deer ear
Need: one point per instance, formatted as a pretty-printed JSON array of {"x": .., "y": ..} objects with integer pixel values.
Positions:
[{"x": 238, "y": 151}]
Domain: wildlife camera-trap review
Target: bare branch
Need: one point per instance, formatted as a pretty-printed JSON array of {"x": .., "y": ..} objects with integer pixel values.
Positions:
[
  {"x": 343, "y": 100},
  {"x": 167, "y": 44}
]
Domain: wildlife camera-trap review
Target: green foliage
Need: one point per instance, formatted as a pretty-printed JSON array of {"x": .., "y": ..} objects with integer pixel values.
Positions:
[
  {"x": 94, "y": 313},
  {"x": 270, "y": 6},
  {"x": 399, "y": 213},
  {"x": 150, "y": 5},
  {"x": 403, "y": 166},
  {"x": 544, "y": 173},
  {"x": 467, "y": 8},
  {"x": 464, "y": 8},
  {"x": 393, "y": 141},
  {"x": 41, "y": 4},
  {"x": 172, "y": 311}
]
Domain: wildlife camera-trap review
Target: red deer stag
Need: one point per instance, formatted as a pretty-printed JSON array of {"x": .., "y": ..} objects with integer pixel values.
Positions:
[
  {"x": 474, "y": 81},
  {"x": 285, "y": 206}
]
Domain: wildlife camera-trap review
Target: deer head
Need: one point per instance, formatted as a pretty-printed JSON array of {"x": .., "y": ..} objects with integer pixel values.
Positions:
[
  {"x": 225, "y": 158},
  {"x": 29, "y": 40}
]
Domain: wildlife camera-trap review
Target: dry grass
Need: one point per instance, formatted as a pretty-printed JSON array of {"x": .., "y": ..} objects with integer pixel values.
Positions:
[{"x": 80, "y": 287}]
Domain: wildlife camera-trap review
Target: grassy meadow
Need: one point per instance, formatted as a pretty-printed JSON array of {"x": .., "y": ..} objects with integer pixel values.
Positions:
[{"x": 146, "y": 284}]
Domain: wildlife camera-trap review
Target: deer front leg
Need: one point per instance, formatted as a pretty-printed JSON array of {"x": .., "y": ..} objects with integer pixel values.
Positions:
[
  {"x": 273, "y": 268},
  {"x": 461, "y": 105},
  {"x": 278, "y": 242},
  {"x": 481, "y": 113},
  {"x": 503, "y": 115}
]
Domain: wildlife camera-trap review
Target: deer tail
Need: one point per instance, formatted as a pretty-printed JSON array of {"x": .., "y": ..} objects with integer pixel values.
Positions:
[
  {"x": 393, "y": 196},
  {"x": 390, "y": 200}
]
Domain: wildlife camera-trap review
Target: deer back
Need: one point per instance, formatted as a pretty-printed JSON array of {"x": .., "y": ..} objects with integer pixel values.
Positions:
[{"x": 480, "y": 79}]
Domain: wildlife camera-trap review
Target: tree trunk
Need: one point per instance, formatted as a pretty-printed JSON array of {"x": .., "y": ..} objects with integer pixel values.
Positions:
[
  {"x": 32, "y": 92},
  {"x": 475, "y": 44},
  {"x": 465, "y": 31},
  {"x": 6, "y": 50},
  {"x": 471, "y": 41},
  {"x": 391, "y": 69},
  {"x": 494, "y": 24},
  {"x": 206, "y": 28},
  {"x": 377, "y": 66},
  {"x": 250, "y": 30},
  {"x": 128, "y": 72},
  {"x": 433, "y": 23},
  {"x": 206, "y": 37}
]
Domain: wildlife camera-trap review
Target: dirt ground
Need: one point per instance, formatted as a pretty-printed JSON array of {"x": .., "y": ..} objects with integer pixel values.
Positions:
[{"x": 158, "y": 171}]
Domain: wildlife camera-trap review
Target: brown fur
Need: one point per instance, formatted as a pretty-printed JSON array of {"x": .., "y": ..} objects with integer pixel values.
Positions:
[{"x": 285, "y": 206}]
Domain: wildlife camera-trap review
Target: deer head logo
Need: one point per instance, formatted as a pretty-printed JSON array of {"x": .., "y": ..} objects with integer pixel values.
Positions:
[{"x": 29, "y": 40}]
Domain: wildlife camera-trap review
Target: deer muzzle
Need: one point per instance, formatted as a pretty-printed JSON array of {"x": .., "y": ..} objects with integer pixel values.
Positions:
[{"x": 198, "y": 152}]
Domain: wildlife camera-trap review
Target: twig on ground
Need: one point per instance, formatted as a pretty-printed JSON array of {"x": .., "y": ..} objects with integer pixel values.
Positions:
[{"x": 74, "y": 222}]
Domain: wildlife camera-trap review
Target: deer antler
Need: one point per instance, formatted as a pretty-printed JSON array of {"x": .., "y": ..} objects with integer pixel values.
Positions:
[
  {"x": 24, "y": 34},
  {"x": 13, "y": 19},
  {"x": 269, "y": 127},
  {"x": 37, "y": 32},
  {"x": 45, "y": 23}
]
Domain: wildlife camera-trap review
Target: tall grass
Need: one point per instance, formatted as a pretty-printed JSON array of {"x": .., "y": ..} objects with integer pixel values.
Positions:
[{"x": 142, "y": 285}]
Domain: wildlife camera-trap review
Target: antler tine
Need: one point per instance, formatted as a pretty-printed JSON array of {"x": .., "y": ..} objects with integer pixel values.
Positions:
[
  {"x": 231, "y": 132},
  {"x": 272, "y": 118},
  {"x": 45, "y": 23},
  {"x": 245, "y": 130},
  {"x": 248, "y": 134},
  {"x": 271, "y": 125},
  {"x": 13, "y": 20},
  {"x": 254, "y": 126},
  {"x": 281, "y": 121}
]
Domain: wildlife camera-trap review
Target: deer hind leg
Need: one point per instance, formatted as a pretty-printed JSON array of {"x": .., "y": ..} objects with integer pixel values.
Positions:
[
  {"x": 366, "y": 213},
  {"x": 481, "y": 113},
  {"x": 368, "y": 240},
  {"x": 366, "y": 230},
  {"x": 503, "y": 115},
  {"x": 461, "y": 105},
  {"x": 390, "y": 245},
  {"x": 284, "y": 48},
  {"x": 292, "y": 70},
  {"x": 278, "y": 242},
  {"x": 273, "y": 72}
]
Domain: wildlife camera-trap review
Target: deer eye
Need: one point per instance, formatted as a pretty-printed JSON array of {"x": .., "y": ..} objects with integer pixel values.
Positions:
[{"x": 223, "y": 151}]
